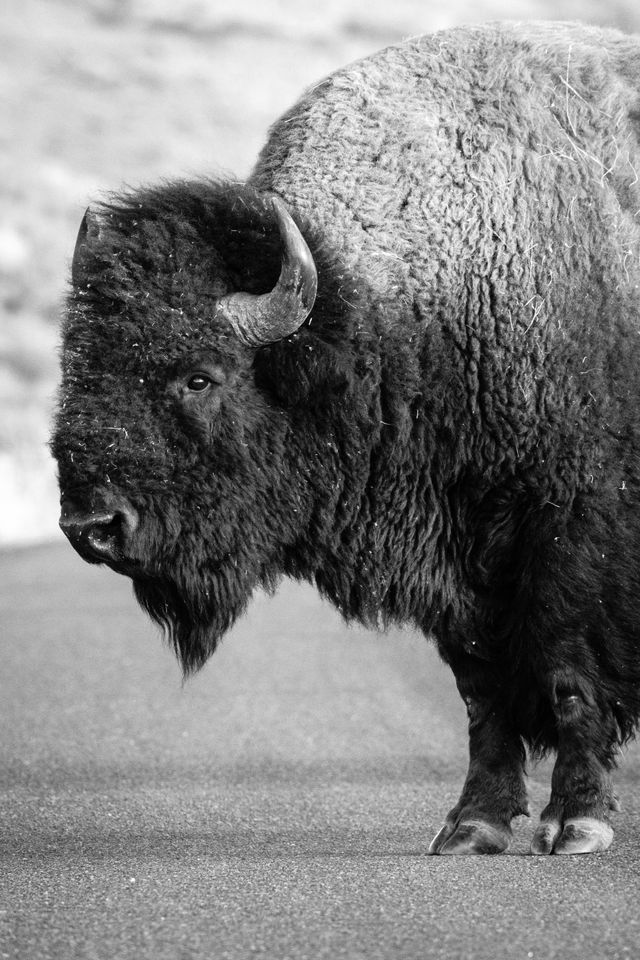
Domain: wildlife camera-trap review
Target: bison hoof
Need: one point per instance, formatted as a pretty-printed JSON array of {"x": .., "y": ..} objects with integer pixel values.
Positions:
[
  {"x": 470, "y": 837},
  {"x": 578, "y": 835}
]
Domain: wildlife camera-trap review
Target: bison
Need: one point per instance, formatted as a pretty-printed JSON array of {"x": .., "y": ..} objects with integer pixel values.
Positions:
[{"x": 402, "y": 362}]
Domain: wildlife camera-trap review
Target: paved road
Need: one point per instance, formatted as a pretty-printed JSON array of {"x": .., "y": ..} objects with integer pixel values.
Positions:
[{"x": 277, "y": 806}]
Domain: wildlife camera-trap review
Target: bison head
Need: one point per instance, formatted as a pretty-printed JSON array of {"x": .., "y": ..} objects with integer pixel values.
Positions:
[{"x": 170, "y": 452}]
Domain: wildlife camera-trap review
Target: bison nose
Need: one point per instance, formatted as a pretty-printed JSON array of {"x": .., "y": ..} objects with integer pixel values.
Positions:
[{"x": 101, "y": 536}]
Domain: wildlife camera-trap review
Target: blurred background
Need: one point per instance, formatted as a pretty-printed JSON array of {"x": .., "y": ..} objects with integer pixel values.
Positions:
[{"x": 97, "y": 94}]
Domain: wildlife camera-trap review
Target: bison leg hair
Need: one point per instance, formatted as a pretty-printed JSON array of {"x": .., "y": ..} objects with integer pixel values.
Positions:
[
  {"x": 576, "y": 818},
  {"x": 494, "y": 791}
]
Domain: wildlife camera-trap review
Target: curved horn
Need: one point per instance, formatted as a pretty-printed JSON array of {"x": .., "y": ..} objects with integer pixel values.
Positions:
[
  {"x": 258, "y": 319},
  {"x": 89, "y": 229}
]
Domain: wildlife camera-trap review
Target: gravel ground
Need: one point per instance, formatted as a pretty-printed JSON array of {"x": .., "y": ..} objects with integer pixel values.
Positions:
[{"x": 277, "y": 805}]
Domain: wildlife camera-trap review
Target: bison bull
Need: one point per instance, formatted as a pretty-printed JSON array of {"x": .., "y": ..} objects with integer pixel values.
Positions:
[{"x": 402, "y": 361}]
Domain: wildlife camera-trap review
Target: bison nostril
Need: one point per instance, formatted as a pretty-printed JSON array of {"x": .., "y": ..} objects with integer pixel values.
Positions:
[
  {"x": 105, "y": 537},
  {"x": 95, "y": 537},
  {"x": 99, "y": 537}
]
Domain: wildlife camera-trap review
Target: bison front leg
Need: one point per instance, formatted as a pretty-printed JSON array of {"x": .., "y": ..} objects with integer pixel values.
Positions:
[
  {"x": 494, "y": 791},
  {"x": 576, "y": 817}
]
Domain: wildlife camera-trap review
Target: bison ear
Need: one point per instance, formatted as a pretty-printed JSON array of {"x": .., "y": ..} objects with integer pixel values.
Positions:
[
  {"x": 89, "y": 231},
  {"x": 258, "y": 319}
]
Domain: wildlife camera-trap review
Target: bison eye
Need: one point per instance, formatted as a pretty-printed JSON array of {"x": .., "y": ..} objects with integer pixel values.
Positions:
[{"x": 198, "y": 383}]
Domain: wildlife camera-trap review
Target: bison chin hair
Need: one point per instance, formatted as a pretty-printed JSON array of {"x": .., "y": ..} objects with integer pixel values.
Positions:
[{"x": 194, "y": 616}]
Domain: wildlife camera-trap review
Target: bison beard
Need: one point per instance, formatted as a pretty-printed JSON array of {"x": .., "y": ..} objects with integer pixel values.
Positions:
[
  {"x": 196, "y": 599},
  {"x": 193, "y": 616}
]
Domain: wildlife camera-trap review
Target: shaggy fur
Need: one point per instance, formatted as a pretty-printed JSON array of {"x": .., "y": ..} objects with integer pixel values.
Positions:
[{"x": 452, "y": 438}]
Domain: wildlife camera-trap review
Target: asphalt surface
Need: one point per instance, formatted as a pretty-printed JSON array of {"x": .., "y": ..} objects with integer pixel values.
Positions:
[{"x": 278, "y": 805}]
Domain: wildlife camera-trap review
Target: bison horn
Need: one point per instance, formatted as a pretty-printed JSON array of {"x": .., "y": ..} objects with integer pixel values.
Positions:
[
  {"x": 89, "y": 229},
  {"x": 258, "y": 319}
]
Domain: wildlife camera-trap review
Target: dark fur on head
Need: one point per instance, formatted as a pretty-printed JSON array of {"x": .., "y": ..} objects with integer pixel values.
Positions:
[{"x": 233, "y": 490}]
